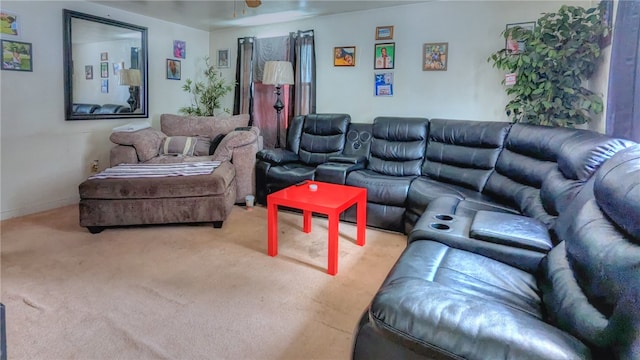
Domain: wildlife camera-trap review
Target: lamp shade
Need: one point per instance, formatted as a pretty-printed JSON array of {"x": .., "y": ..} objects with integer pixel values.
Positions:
[
  {"x": 277, "y": 73},
  {"x": 130, "y": 77}
]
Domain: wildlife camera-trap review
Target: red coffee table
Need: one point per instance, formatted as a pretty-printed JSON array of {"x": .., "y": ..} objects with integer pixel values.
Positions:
[{"x": 328, "y": 199}]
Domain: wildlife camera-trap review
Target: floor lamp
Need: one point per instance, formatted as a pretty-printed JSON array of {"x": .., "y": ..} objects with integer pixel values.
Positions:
[
  {"x": 278, "y": 73},
  {"x": 132, "y": 79}
]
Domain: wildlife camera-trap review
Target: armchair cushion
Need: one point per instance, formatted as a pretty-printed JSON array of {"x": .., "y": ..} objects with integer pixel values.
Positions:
[
  {"x": 147, "y": 142},
  {"x": 209, "y": 126}
]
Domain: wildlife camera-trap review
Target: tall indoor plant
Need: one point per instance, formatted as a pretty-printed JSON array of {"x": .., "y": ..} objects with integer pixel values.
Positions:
[
  {"x": 206, "y": 95},
  {"x": 560, "y": 54}
]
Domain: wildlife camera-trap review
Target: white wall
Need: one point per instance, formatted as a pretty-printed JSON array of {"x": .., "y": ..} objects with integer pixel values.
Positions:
[
  {"x": 469, "y": 89},
  {"x": 44, "y": 157}
]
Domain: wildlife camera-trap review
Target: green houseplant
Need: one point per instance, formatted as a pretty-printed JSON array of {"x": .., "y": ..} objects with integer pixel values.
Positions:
[
  {"x": 207, "y": 94},
  {"x": 561, "y": 53}
]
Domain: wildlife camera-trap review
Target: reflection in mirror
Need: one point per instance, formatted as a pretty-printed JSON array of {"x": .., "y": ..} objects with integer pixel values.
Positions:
[{"x": 105, "y": 67}]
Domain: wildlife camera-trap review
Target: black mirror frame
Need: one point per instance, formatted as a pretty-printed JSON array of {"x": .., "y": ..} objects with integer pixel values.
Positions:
[{"x": 68, "y": 15}]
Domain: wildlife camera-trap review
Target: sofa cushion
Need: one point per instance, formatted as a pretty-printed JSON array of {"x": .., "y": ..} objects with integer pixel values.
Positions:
[
  {"x": 178, "y": 145},
  {"x": 207, "y": 126},
  {"x": 146, "y": 141},
  {"x": 398, "y": 145},
  {"x": 382, "y": 189}
]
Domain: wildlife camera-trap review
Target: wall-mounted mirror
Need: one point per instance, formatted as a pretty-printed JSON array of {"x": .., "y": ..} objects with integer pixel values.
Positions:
[{"x": 105, "y": 68}]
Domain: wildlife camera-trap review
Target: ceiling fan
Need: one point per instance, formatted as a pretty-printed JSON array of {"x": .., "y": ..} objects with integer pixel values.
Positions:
[{"x": 253, "y": 3}]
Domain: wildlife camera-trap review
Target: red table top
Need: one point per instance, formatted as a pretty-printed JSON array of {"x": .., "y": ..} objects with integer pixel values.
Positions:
[{"x": 327, "y": 197}]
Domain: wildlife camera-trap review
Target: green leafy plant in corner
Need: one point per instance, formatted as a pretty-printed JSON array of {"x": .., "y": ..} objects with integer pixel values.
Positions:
[
  {"x": 206, "y": 95},
  {"x": 561, "y": 53}
]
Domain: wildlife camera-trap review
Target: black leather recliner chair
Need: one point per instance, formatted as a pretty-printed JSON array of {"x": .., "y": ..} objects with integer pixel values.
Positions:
[{"x": 311, "y": 140}]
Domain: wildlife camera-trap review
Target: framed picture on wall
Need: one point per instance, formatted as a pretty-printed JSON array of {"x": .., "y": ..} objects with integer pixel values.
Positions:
[
  {"x": 104, "y": 69},
  {"x": 104, "y": 56},
  {"x": 10, "y": 24},
  {"x": 179, "y": 49},
  {"x": 385, "y": 54},
  {"x": 16, "y": 56},
  {"x": 435, "y": 56},
  {"x": 344, "y": 56},
  {"x": 383, "y": 84},
  {"x": 223, "y": 58},
  {"x": 104, "y": 86},
  {"x": 174, "y": 69},
  {"x": 88, "y": 72},
  {"x": 513, "y": 45},
  {"x": 384, "y": 33}
]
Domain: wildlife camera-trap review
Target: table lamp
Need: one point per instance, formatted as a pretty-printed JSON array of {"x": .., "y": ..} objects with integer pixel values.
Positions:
[
  {"x": 132, "y": 79},
  {"x": 278, "y": 73}
]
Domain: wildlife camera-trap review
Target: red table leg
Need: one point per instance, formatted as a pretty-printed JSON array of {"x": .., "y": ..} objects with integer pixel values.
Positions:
[
  {"x": 306, "y": 225},
  {"x": 272, "y": 228},
  {"x": 361, "y": 219},
  {"x": 332, "y": 268}
]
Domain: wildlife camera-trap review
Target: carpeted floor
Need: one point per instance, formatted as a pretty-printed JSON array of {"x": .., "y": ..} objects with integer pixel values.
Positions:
[{"x": 185, "y": 291}]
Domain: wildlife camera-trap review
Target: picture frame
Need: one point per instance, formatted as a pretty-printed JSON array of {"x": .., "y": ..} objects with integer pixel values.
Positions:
[
  {"x": 117, "y": 66},
  {"x": 174, "y": 69},
  {"x": 384, "y": 56},
  {"x": 512, "y": 45},
  {"x": 223, "y": 58},
  {"x": 104, "y": 69},
  {"x": 344, "y": 56},
  {"x": 435, "y": 56},
  {"x": 383, "y": 84},
  {"x": 384, "y": 32},
  {"x": 104, "y": 86},
  {"x": 17, "y": 55},
  {"x": 179, "y": 49},
  {"x": 104, "y": 56},
  {"x": 10, "y": 24},
  {"x": 88, "y": 72}
]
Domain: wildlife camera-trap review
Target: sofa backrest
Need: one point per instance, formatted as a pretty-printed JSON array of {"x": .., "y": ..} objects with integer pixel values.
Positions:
[
  {"x": 463, "y": 152},
  {"x": 316, "y": 137},
  {"x": 541, "y": 168},
  {"x": 206, "y": 126},
  {"x": 591, "y": 281},
  {"x": 398, "y": 145}
]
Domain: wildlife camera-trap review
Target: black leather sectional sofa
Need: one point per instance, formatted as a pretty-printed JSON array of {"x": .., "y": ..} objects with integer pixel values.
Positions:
[{"x": 523, "y": 241}]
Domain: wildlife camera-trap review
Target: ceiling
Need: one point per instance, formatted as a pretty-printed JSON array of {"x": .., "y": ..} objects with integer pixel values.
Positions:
[{"x": 214, "y": 15}]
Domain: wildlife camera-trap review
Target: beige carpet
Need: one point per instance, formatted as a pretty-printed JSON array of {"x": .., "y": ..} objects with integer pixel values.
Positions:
[{"x": 185, "y": 292}]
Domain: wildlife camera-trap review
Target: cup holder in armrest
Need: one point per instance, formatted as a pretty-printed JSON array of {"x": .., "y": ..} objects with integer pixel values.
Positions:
[
  {"x": 443, "y": 217},
  {"x": 439, "y": 226}
]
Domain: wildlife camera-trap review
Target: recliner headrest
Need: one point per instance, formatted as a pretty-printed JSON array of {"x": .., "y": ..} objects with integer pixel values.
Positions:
[
  {"x": 582, "y": 154},
  {"x": 617, "y": 190}
]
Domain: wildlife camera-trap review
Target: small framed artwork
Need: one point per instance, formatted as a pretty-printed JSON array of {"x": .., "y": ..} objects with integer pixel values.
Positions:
[
  {"x": 117, "y": 67},
  {"x": 513, "y": 45},
  {"x": 384, "y": 33},
  {"x": 223, "y": 58},
  {"x": 88, "y": 72},
  {"x": 104, "y": 56},
  {"x": 173, "y": 69},
  {"x": 104, "y": 86},
  {"x": 384, "y": 54},
  {"x": 435, "y": 56},
  {"x": 9, "y": 24},
  {"x": 16, "y": 56},
  {"x": 179, "y": 49},
  {"x": 384, "y": 84},
  {"x": 344, "y": 56},
  {"x": 104, "y": 69}
]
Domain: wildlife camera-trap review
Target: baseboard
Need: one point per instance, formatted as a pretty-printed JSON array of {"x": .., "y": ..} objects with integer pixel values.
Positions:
[{"x": 36, "y": 208}]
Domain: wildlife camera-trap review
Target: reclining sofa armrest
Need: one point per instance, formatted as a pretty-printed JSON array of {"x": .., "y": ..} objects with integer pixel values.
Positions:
[
  {"x": 277, "y": 156},
  {"x": 146, "y": 142},
  {"x": 349, "y": 159}
]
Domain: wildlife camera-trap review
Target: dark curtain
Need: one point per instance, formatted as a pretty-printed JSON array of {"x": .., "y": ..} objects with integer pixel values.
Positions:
[
  {"x": 257, "y": 100},
  {"x": 623, "y": 100}
]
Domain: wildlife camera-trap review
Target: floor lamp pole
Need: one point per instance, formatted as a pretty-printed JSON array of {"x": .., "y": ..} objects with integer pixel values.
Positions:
[{"x": 278, "y": 106}]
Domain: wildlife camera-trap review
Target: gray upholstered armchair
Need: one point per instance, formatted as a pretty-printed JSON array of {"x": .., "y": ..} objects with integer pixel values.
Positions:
[{"x": 185, "y": 139}]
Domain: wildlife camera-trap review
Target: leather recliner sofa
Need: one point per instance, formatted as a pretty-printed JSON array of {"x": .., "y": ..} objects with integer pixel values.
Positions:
[{"x": 515, "y": 248}]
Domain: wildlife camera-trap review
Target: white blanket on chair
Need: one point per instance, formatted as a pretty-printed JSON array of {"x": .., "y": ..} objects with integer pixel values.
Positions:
[{"x": 157, "y": 170}]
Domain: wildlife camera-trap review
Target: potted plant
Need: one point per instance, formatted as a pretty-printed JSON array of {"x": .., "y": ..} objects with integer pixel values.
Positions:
[
  {"x": 560, "y": 54},
  {"x": 207, "y": 94}
]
